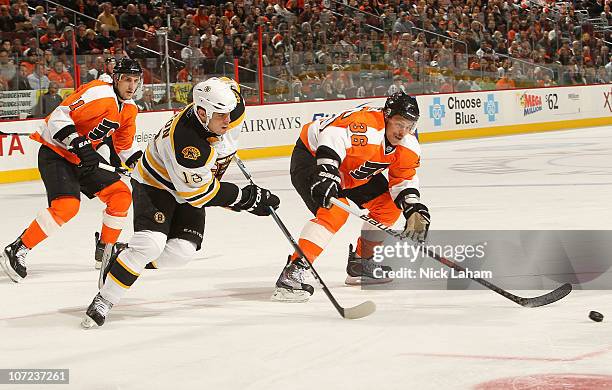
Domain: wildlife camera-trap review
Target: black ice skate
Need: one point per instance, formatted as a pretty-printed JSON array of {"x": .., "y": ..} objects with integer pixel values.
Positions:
[
  {"x": 290, "y": 286},
  {"x": 99, "y": 254},
  {"x": 107, "y": 262},
  {"x": 365, "y": 271},
  {"x": 12, "y": 260},
  {"x": 96, "y": 312}
]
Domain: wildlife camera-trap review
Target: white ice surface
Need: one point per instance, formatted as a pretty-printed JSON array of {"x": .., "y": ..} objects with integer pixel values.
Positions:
[{"x": 211, "y": 325}]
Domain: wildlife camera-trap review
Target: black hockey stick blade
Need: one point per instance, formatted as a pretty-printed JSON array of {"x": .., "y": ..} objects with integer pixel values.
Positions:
[
  {"x": 362, "y": 310},
  {"x": 548, "y": 298}
]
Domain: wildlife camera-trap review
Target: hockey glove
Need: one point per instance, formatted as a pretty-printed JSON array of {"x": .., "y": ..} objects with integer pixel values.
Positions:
[
  {"x": 325, "y": 184},
  {"x": 416, "y": 214},
  {"x": 257, "y": 200},
  {"x": 133, "y": 159},
  {"x": 81, "y": 146}
]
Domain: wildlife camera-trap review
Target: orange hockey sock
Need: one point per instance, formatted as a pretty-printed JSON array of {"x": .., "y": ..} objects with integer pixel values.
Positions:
[
  {"x": 50, "y": 220},
  {"x": 118, "y": 198}
]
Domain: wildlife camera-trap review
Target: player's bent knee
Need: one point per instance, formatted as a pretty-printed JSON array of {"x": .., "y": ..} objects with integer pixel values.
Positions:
[
  {"x": 147, "y": 245},
  {"x": 65, "y": 208},
  {"x": 177, "y": 252},
  {"x": 117, "y": 197}
]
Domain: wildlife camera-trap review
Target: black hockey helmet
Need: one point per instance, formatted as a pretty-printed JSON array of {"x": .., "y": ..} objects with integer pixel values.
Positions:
[
  {"x": 127, "y": 66},
  {"x": 402, "y": 104}
]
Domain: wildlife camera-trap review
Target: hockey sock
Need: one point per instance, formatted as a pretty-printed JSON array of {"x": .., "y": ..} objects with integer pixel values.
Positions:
[
  {"x": 119, "y": 279},
  {"x": 118, "y": 198},
  {"x": 317, "y": 232},
  {"x": 365, "y": 248},
  {"x": 49, "y": 220}
]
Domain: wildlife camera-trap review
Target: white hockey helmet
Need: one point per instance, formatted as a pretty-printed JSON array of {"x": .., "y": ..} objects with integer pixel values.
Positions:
[{"x": 214, "y": 95}]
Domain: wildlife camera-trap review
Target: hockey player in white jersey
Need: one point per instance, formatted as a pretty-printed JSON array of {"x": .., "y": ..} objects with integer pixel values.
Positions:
[
  {"x": 172, "y": 184},
  {"x": 226, "y": 148}
]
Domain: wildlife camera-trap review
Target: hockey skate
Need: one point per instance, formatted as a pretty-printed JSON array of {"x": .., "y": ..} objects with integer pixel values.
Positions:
[
  {"x": 365, "y": 271},
  {"x": 96, "y": 312},
  {"x": 12, "y": 260},
  {"x": 99, "y": 254},
  {"x": 290, "y": 286}
]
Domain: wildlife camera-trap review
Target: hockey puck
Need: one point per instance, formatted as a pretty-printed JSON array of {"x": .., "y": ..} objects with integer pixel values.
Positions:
[{"x": 596, "y": 316}]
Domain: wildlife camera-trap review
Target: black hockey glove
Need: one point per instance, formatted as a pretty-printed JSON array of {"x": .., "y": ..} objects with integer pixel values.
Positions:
[
  {"x": 325, "y": 184},
  {"x": 133, "y": 159},
  {"x": 257, "y": 200},
  {"x": 416, "y": 214},
  {"x": 81, "y": 146}
]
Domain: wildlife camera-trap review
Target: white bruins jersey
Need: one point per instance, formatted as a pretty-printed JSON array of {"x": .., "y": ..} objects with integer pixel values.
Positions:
[{"x": 181, "y": 160}]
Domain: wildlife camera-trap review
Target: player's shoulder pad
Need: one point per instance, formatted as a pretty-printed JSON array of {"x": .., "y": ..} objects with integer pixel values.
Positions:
[
  {"x": 411, "y": 143},
  {"x": 192, "y": 146}
]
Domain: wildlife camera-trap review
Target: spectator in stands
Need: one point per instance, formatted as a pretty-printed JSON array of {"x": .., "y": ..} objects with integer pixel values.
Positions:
[
  {"x": 224, "y": 63},
  {"x": 131, "y": 19},
  {"x": 192, "y": 52},
  {"x": 47, "y": 102},
  {"x": 106, "y": 20},
  {"x": 38, "y": 79},
  {"x": 38, "y": 20},
  {"x": 6, "y": 20},
  {"x": 134, "y": 51},
  {"x": 89, "y": 44},
  {"x": 505, "y": 82},
  {"x": 91, "y": 9},
  {"x": 147, "y": 102},
  {"x": 59, "y": 18},
  {"x": 97, "y": 69},
  {"x": 207, "y": 50},
  {"x": 117, "y": 49},
  {"x": 8, "y": 70},
  {"x": 20, "y": 81},
  {"x": 50, "y": 37},
  {"x": 18, "y": 18},
  {"x": 59, "y": 76}
]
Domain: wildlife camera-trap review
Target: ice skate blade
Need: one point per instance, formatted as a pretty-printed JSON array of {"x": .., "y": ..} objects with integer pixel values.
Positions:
[
  {"x": 8, "y": 270},
  {"x": 285, "y": 295},
  {"x": 363, "y": 280},
  {"x": 88, "y": 323}
]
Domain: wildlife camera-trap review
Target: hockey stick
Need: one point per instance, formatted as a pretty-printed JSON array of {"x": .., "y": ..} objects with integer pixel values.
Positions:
[
  {"x": 362, "y": 310},
  {"x": 15, "y": 133},
  {"x": 111, "y": 168},
  {"x": 541, "y": 300}
]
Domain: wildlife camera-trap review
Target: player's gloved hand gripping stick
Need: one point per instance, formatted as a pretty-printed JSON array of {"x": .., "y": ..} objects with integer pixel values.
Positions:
[
  {"x": 362, "y": 310},
  {"x": 541, "y": 300}
]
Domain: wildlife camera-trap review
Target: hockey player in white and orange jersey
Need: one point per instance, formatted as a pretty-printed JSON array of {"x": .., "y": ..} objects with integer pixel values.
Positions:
[
  {"x": 68, "y": 161},
  {"x": 173, "y": 183},
  {"x": 344, "y": 157}
]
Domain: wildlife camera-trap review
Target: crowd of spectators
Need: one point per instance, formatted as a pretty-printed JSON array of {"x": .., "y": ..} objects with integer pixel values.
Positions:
[{"x": 324, "y": 49}]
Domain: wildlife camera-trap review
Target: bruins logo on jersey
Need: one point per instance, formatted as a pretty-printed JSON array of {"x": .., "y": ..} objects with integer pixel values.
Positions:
[
  {"x": 159, "y": 217},
  {"x": 191, "y": 152}
]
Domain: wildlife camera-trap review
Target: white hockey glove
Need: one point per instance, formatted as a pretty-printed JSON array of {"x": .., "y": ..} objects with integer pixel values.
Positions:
[{"x": 416, "y": 214}]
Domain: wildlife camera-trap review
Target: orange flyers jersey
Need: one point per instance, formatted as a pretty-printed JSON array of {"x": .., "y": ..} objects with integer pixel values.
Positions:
[
  {"x": 94, "y": 111},
  {"x": 358, "y": 138}
]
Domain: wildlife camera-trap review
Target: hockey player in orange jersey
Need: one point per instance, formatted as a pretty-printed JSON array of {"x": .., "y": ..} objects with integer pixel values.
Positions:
[
  {"x": 68, "y": 161},
  {"x": 344, "y": 157}
]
